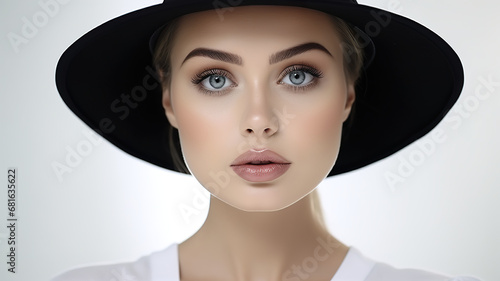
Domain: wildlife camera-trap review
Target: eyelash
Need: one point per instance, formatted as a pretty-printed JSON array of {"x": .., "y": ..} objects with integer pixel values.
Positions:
[
  {"x": 317, "y": 74},
  {"x": 200, "y": 77}
]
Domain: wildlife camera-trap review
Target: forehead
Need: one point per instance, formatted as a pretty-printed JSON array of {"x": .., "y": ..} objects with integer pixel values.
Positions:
[{"x": 259, "y": 27}]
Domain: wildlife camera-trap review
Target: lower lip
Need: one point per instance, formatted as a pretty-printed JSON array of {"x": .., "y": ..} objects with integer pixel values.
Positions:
[{"x": 260, "y": 173}]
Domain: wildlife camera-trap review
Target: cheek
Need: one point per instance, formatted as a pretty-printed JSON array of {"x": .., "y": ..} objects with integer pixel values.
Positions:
[
  {"x": 203, "y": 132},
  {"x": 317, "y": 133}
]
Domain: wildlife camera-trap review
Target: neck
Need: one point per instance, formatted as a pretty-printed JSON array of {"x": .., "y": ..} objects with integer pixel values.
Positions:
[{"x": 260, "y": 245}]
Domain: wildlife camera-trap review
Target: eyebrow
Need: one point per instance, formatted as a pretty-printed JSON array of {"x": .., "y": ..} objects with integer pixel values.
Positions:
[
  {"x": 214, "y": 54},
  {"x": 274, "y": 58},
  {"x": 293, "y": 51}
]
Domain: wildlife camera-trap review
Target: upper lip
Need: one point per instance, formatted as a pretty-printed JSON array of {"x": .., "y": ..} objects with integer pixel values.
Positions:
[{"x": 265, "y": 156}]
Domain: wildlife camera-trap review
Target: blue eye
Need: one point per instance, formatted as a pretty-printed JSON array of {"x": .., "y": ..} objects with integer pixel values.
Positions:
[
  {"x": 213, "y": 81},
  {"x": 300, "y": 76},
  {"x": 216, "y": 83}
]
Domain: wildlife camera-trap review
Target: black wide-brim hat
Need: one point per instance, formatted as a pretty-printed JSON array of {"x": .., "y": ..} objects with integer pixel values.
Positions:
[{"x": 410, "y": 81}]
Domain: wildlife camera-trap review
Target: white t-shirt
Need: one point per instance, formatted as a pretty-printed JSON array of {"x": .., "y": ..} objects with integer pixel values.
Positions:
[{"x": 164, "y": 266}]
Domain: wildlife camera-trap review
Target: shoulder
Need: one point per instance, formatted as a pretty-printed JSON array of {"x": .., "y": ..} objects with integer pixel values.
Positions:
[
  {"x": 142, "y": 269},
  {"x": 384, "y": 272},
  {"x": 358, "y": 267}
]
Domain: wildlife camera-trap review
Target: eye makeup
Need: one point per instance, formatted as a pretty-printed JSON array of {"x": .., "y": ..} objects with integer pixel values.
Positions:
[
  {"x": 310, "y": 72},
  {"x": 199, "y": 78}
]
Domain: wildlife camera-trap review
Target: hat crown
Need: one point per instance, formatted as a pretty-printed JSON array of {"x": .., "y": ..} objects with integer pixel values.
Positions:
[{"x": 234, "y": 3}]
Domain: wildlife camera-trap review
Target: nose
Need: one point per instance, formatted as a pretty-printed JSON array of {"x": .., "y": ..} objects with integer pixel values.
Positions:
[{"x": 259, "y": 118}]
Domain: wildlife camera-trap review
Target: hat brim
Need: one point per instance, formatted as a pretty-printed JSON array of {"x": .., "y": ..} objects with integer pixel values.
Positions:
[{"x": 107, "y": 80}]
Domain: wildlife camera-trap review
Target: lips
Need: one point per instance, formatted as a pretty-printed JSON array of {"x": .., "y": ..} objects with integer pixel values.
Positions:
[
  {"x": 260, "y": 166},
  {"x": 261, "y": 157}
]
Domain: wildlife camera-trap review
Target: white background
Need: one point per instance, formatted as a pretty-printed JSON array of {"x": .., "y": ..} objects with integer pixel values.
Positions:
[{"x": 444, "y": 217}]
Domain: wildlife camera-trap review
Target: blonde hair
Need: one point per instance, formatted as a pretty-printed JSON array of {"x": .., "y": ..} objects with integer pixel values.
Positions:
[{"x": 353, "y": 63}]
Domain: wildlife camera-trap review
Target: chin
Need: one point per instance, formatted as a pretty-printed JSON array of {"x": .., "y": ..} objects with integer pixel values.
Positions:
[
  {"x": 258, "y": 207},
  {"x": 265, "y": 197}
]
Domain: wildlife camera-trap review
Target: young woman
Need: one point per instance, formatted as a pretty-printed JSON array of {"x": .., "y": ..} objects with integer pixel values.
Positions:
[{"x": 260, "y": 101}]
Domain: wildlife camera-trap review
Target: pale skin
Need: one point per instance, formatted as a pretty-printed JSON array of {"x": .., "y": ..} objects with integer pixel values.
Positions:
[{"x": 259, "y": 231}]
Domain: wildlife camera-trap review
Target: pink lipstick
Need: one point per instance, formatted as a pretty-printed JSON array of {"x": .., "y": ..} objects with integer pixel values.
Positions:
[{"x": 260, "y": 166}]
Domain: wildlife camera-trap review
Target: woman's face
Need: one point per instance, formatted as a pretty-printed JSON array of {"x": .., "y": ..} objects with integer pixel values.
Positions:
[{"x": 258, "y": 78}]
